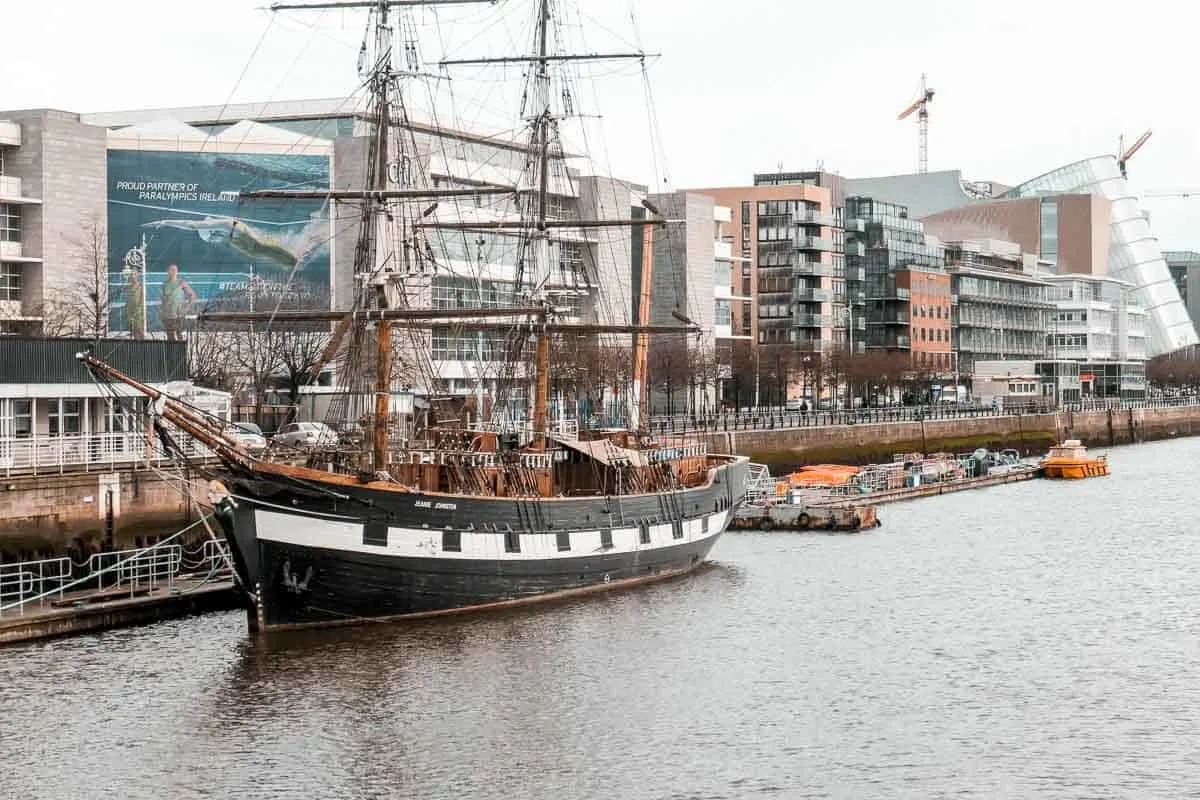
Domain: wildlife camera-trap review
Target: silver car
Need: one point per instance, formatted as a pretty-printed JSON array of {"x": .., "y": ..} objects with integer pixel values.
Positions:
[
  {"x": 248, "y": 435},
  {"x": 306, "y": 434}
]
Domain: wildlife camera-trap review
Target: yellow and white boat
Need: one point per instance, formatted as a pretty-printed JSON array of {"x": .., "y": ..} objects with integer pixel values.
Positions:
[{"x": 1071, "y": 460}]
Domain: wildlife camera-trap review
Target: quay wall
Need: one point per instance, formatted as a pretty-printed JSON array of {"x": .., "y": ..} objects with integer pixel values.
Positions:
[
  {"x": 68, "y": 514},
  {"x": 1031, "y": 434}
]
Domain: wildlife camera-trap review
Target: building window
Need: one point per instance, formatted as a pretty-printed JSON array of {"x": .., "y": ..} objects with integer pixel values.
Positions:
[
  {"x": 721, "y": 313},
  {"x": 63, "y": 416},
  {"x": 564, "y": 541},
  {"x": 10, "y": 222},
  {"x": 10, "y": 281},
  {"x": 16, "y": 418},
  {"x": 1048, "y": 246},
  {"x": 22, "y": 418},
  {"x": 452, "y": 541}
]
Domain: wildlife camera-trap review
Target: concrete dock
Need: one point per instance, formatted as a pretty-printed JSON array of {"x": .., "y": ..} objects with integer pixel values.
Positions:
[{"x": 81, "y": 612}]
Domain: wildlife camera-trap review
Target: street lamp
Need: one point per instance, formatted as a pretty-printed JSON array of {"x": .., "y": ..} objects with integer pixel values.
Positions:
[{"x": 846, "y": 314}]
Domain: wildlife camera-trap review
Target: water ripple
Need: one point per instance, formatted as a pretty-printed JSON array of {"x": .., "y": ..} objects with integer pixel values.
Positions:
[{"x": 1030, "y": 640}]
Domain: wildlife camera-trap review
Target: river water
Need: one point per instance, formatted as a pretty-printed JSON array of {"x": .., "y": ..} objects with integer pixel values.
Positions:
[{"x": 1032, "y": 640}]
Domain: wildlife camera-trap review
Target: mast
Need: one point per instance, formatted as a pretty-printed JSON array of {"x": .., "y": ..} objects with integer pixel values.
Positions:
[
  {"x": 380, "y": 80},
  {"x": 375, "y": 215},
  {"x": 541, "y": 393}
]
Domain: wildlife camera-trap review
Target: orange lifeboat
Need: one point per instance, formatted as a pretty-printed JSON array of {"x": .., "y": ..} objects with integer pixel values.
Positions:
[{"x": 1070, "y": 460}]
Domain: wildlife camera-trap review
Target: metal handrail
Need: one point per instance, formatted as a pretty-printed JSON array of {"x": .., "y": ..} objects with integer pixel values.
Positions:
[{"x": 44, "y": 455}]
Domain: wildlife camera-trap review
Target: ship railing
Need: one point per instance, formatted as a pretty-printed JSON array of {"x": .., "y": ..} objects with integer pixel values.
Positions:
[
  {"x": 89, "y": 452},
  {"x": 137, "y": 568},
  {"x": 670, "y": 453},
  {"x": 475, "y": 459},
  {"x": 32, "y": 581},
  {"x": 563, "y": 427},
  {"x": 759, "y": 483}
]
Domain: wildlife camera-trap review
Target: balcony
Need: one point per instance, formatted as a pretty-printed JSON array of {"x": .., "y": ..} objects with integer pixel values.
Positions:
[
  {"x": 855, "y": 249},
  {"x": 855, "y": 225},
  {"x": 823, "y": 243},
  {"x": 895, "y": 318},
  {"x": 813, "y": 269},
  {"x": 822, "y": 218},
  {"x": 723, "y": 251},
  {"x": 10, "y": 134},
  {"x": 808, "y": 295},
  {"x": 803, "y": 320}
]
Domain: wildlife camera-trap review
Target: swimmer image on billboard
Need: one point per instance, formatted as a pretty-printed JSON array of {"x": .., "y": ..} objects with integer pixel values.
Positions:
[{"x": 182, "y": 241}]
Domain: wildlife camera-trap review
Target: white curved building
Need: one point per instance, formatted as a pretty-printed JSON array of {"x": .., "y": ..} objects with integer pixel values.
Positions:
[{"x": 1134, "y": 255}]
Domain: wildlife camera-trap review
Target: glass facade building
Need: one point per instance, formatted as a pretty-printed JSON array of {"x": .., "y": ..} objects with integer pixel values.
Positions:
[
  {"x": 1134, "y": 255},
  {"x": 888, "y": 255}
]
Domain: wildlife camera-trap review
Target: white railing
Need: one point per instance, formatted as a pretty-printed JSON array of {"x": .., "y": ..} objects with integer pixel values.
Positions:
[
  {"x": 137, "y": 568},
  {"x": 567, "y": 428},
  {"x": 42, "y": 455},
  {"x": 29, "y": 579}
]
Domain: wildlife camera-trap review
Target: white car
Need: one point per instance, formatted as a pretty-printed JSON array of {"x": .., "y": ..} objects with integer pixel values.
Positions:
[
  {"x": 248, "y": 435},
  {"x": 306, "y": 434}
]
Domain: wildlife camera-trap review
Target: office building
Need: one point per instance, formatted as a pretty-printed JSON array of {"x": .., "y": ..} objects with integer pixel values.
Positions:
[{"x": 906, "y": 289}]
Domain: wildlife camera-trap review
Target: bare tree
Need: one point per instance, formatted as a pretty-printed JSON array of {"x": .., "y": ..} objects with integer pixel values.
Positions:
[
  {"x": 667, "y": 363},
  {"x": 299, "y": 352},
  {"x": 705, "y": 373},
  {"x": 81, "y": 309},
  {"x": 257, "y": 357},
  {"x": 209, "y": 362}
]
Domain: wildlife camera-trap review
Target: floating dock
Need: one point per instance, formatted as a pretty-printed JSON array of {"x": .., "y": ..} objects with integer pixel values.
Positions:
[
  {"x": 788, "y": 517},
  {"x": 882, "y": 496},
  {"x": 82, "y": 612}
]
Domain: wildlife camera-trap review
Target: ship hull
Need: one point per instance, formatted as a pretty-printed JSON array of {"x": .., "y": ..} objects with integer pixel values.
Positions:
[{"x": 310, "y": 562}]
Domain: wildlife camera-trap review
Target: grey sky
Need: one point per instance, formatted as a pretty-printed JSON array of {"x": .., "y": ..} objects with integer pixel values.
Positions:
[{"x": 1022, "y": 86}]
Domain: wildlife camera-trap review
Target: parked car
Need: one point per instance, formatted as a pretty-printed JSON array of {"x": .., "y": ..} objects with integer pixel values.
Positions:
[
  {"x": 306, "y": 434},
  {"x": 248, "y": 435}
]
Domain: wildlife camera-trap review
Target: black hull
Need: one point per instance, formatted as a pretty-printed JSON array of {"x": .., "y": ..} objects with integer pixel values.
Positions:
[
  {"x": 316, "y": 560},
  {"x": 347, "y": 588}
]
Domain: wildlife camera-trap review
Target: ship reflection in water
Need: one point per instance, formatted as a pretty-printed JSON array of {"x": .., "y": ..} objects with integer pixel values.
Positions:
[{"x": 1036, "y": 639}]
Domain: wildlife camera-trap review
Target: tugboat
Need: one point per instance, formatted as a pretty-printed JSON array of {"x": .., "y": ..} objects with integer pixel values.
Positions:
[{"x": 1070, "y": 460}]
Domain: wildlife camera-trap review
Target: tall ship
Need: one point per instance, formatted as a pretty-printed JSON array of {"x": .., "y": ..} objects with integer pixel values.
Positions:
[{"x": 468, "y": 502}]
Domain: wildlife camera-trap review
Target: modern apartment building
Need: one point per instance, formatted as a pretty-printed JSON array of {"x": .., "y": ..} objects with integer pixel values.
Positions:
[
  {"x": 1057, "y": 213},
  {"x": 52, "y": 206},
  {"x": 790, "y": 239},
  {"x": 906, "y": 290},
  {"x": 1001, "y": 310}
]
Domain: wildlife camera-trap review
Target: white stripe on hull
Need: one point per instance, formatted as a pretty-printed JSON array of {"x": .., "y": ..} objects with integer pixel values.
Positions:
[{"x": 347, "y": 535}]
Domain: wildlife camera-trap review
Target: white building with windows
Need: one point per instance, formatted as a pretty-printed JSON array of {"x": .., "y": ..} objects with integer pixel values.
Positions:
[{"x": 55, "y": 418}]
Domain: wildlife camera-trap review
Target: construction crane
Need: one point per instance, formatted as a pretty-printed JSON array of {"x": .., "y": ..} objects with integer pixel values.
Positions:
[
  {"x": 1124, "y": 155},
  {"x": 921, "y": 106}
]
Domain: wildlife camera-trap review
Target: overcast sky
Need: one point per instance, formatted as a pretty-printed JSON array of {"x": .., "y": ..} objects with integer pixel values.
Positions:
[{"x": 1022, "y": 86}]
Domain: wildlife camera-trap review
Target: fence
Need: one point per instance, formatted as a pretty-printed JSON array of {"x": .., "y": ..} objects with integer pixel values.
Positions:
[
  {"x": 776, "y": 417},
  {"x": 35, "y": 584},
  {"x": 45, "y": 455}
]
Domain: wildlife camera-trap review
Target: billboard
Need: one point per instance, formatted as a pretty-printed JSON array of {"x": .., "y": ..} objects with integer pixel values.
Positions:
[{"x": 181, "y": 241}]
